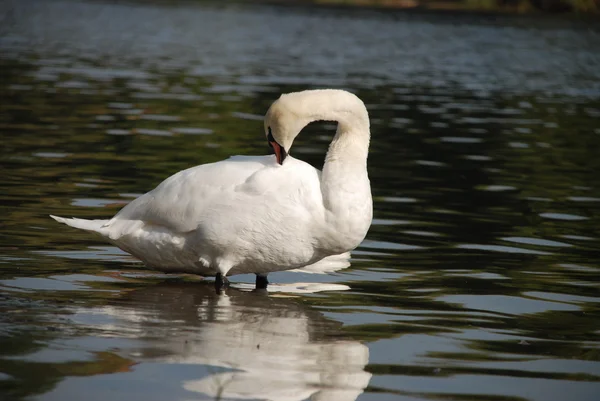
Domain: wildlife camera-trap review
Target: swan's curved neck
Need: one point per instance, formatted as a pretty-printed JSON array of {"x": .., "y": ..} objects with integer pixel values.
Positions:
[
  {"x": 351, "y": 141},
  {"x": 344, "y": 182}
]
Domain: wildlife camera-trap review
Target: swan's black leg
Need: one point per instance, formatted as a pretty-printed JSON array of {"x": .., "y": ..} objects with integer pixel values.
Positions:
[
  {"x": 220, "y": 282},
  {"x": 261, "y": 281}
]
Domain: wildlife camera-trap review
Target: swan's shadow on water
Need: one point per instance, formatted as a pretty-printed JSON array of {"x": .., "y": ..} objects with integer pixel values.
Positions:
[{"x": 258, "y": 346}]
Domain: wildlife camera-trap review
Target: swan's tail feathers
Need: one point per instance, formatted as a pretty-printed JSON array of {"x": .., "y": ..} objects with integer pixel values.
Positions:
[{"x": 98, "y": 226}]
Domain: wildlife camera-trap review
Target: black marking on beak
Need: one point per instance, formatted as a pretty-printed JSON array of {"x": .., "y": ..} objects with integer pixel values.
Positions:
[
  {"x": 280, "y": 152},
  {"x": 270, "y": 137}
]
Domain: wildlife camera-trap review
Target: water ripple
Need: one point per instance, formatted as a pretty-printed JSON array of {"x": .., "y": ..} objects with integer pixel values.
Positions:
[
  {"x": 501, "y": 248},
  {"x": 563, "y": 216},
  {"x": 536, "y": 241}
]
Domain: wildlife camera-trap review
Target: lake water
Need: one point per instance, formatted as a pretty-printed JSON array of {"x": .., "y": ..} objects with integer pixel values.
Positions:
[{"x": 479, "y": 279}]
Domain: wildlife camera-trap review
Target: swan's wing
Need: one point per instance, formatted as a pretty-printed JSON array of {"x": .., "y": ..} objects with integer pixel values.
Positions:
[
  {"x": 187, "y": 199},
  {"x": 176, "y": 200}
]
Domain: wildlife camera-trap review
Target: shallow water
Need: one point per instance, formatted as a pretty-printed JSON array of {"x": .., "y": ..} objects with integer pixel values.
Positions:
[{"x": 478, "y": 279}]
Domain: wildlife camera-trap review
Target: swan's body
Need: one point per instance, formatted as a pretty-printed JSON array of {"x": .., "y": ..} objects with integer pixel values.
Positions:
[{"x": 256, "y": 214}]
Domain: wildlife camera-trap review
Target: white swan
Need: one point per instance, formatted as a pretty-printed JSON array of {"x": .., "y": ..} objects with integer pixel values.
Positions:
[{"x": 257, "y": 214}]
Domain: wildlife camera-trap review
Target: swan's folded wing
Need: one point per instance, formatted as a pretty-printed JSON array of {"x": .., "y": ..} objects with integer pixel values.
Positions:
[
  {"x": 203, "y": 194},
  {"x": 177, "y": 202}
]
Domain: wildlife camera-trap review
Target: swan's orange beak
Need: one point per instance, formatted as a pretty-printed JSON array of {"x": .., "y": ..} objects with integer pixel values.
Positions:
[{"x": 280, "y": 152}]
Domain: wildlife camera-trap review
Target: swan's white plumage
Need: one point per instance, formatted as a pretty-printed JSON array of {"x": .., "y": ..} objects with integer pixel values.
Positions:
[{"x": 248, "y": 214}]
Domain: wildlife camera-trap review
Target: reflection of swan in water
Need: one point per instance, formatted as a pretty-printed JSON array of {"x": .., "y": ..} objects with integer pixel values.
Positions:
[{"x": 261, "y": 347}]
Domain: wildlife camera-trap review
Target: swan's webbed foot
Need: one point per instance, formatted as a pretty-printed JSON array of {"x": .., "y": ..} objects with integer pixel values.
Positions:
[
  {"x": 261, "y": 281},
  {"x": 221, "y": 282}
]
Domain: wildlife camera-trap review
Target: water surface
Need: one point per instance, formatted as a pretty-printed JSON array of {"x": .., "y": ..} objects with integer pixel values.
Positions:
[{"x": 477, "y": 281}]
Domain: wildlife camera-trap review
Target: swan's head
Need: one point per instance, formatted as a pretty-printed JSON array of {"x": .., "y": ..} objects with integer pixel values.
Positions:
[{"x": 282, "y": 125}]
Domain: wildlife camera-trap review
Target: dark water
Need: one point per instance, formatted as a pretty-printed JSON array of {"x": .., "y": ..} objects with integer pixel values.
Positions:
[{"x": 479, "y": 279}]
